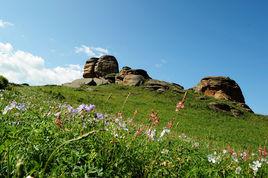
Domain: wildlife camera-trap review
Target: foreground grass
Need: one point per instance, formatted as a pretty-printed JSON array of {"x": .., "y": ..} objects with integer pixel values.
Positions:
[{"x": 32, "y": 144}]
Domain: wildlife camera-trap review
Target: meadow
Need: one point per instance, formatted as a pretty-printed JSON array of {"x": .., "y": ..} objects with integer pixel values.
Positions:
[{"x": 119, "y": 131}]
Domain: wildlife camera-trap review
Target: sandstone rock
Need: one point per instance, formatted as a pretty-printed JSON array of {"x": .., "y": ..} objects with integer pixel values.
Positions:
[
  {"x": 133, "y": 80},
  {"x": 106, "y": 65},
  {"x": 156, "y": 84},
  {"x": 87, "y": 81},
  {"x": 223, "y": 107},
  {"x": 100, "y": 67},
  {"x": 138, "y": 72},
  {"x": 89, "y": 68},
  {"x": 159, "y": 85},
  {"x": 220, "y": 88},
  {"x": 131, "y": 73}
]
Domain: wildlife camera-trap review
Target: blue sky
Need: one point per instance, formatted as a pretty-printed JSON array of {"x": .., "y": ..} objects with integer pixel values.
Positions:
[{"x": 176, "y": 40}]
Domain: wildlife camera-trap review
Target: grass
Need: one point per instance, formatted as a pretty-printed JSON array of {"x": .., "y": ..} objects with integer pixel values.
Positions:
[{"x": 32, "y": 144}]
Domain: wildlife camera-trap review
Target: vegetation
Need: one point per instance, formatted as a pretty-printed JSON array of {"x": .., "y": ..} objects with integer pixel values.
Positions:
[
  {"x": 3, "y": 82},
  {"x": 128, "y": 132}
]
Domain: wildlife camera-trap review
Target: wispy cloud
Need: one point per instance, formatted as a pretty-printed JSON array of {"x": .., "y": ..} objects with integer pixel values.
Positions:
[
  {"x": 21, "y": 66},
  {"x": 160, "y": 63},
  {"x": 4, "y": 24},
  {"x": 91, "y": 51}
]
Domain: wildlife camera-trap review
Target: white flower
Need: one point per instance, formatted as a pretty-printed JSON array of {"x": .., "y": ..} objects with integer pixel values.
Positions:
[
  {"x": 238, "y": 170},
  {"x": 224, "y": 151},
  {"x": 151, "y": 134},
  {"x": 255, "y": 166},
  {"x": 213, "y": 158},
  {"x": 164, "y": 151},
  {"x": 165, "y": 131}
]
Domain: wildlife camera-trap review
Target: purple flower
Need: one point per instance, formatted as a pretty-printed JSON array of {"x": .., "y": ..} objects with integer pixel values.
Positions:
[
  {"x": 21, "y": 106},
  {"x": 89, "y": 108},
  {"x": 99, "y": 116},
  {"x": 81, "y": 107},
  {"x": 14, "y": 104}
]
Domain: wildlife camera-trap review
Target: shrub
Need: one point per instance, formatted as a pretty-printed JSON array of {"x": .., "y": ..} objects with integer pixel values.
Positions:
[{"x": 3, "y": 82}]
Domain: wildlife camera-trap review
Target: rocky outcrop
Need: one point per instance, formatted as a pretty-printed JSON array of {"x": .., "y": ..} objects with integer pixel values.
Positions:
[
  {"x": 220, "y": 88},
  {"x": 128, "y": 76},
  {"x": 100, "y": 67},
  {"x": 87, "y": 81},
  {"x": 133, "y": 80},
  {"x": 89, "y": 68},
  {"x": 223, "y": 107},
  {"x": 162, "y": 86}
]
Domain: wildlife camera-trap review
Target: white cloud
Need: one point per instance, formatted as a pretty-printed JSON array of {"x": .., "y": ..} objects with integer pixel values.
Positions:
[
  {"x": 4, "y": 24},
  {"x": 91, "y": 51},
  {"x": 20, "y": 66}
]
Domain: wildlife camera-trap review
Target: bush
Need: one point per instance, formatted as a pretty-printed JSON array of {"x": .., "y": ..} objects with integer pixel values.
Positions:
[{"x": 3, "y": 82}]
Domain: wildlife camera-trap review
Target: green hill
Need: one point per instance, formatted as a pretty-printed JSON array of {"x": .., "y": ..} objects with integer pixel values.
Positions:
[{"x": 33, "y": 141}]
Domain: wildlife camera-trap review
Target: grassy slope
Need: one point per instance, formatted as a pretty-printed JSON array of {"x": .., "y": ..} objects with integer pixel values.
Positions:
[
  {"x": 31, "y": 144},
  {"x": 196, "y": 120}
]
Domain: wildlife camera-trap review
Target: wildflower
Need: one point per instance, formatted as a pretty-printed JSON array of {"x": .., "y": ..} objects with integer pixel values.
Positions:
[
  {"x": 164, "y": 132},
  {"x": 99, "y": 116},
  {"x": 151, "y": 134},
  {"x": 224, "y": 151},
  {"x": 169, "y": 125},
  {"x": 165, "y": 151},
  {"x": 179, "y": 106},
  {"x": 255, "y": 166},
  {"x": 123, "y": 125},
  {"x": 213, "y": 158},
  {"x": 14, "y": 104},
  {"x": 85, "y": 107},
  {"x": 262, "y": 152},
  {"x": 238, "y": 170},
  {"x": 154, "y": 118},
  {"x": 234, "y": 157},
  {"x": 139, "y": 132},
  {"x": 89, "y": 108},
  {"x": 58, "y": 120},
  {"x": 244, "y": 156}
]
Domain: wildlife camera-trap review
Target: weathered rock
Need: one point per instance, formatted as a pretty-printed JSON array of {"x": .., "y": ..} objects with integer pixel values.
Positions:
[
  {"x": 106, "y": 64},
  {"x": 220, "y": 88},
  {"x": 87, "y": 81},
  {"x": 89, "y": 68},
  {"x": 133, "y": 80},
  {"x": 159, "y": 85},
  {"x": 138, "y": 72},
  {"x": 110, "y": 77},
  {"x": 156, "y": 84},
  {"x": 100, "y": 67},
  {"x": 223, "y": 107},
  {"x": 128, "y": 75}
]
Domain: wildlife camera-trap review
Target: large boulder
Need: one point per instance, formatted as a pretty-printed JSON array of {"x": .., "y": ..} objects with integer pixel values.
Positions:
[
  {"x": 89, "y": 67},
  {"x": 133, "y": 80},
  {"x": 220, "y": 88},
  {"x": 86, "y": 81},
  {"x": 100, "y": 67},
  {"x": 106, "y": 65},
  {"x": 162, "y": 86},
  {"x": 125, "y": 71}
]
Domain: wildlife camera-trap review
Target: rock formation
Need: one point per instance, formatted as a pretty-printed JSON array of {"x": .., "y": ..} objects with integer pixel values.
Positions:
[
  {"x": 220, "y": 88},
  {"x": 100, "y": 67},
  {"x": 131, "y": 77}
]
